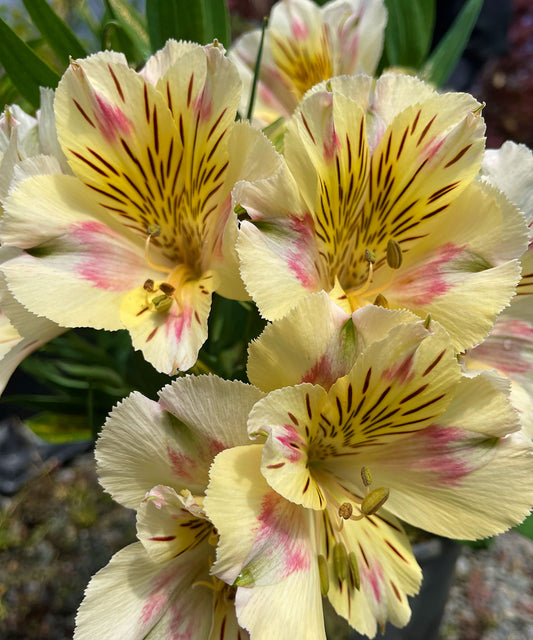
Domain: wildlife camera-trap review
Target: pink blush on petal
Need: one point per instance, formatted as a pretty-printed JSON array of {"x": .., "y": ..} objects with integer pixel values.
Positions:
[
  {"x": 299, "y": 29},
  {"x": 105, "y": 260},
  {"x": 437, "y": 455},
  {"x": 277, "y": 531},
  {"x": 291, "y": 440},
  {"x": 401, "y": 372},
  {"x": 112, "y": 121},
  {"x": 181, "y": 464},
  {"x": 422, "y": 284}
]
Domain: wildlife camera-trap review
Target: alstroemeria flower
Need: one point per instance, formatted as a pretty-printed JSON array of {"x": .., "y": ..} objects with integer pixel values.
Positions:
[
  {"x": 377, "y": 203},
  {"x": 154, "y": 457},
  {"x": 509, "y": 347},
  {"x": 143, "y": 233},
  {"x": 28, "y": 146},
  {"x": 400, "y": 434},
  {"x": 306, "y": 44}
]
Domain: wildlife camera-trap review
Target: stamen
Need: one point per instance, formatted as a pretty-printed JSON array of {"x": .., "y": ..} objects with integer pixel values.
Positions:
[
  {"x": 374, "y": 501},
  {"x": 155, "y": 266},
  {"x": 149, "y": 285},
  {"x": 427, "y": 321},
  {"x": 381, "y": 301},
  {"x": 366, "y": 476},
  {"x": 340, "y": 560},
  {"x": 162, "y": 303},
  {"x": 354, "y": 571},
  {"x": 166, "y": 288},
  {"x": 394, "y": 254},
  {"x": 323, "y": 574},
  {"x": 345, "y": 510}
]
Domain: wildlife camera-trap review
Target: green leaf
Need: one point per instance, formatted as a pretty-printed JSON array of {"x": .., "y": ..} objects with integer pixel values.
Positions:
[
  {"x": 442, "y": 61},
  {"x": 60, "y": 428},
  {"x": 256, "y": 70},
  {"x": 56, "y": 33},
  {"x": 26, "y": 70},
  {"x": 217, "y": 22},
  {"x": 133, "y": 24},
  {"x": 409, "y": 31},
  {"x": 526, "y": 528},
  {"x": 178, "y": 19}
]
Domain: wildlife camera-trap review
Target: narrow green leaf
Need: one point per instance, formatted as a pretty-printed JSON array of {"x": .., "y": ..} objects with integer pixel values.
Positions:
[
  {"x": 409, "y": 31},
  {"x": 442, "y": 61},
  {"x": 217, "y": 22},
  {"x": 26, "y": 70},
  {"x": 56, "y": 33},
  {"x": 178, "y": 19},
  {"x": 115, "y": 38},
  {"x": 133, "y": 24},
  {"x": 256, "y": 70}
]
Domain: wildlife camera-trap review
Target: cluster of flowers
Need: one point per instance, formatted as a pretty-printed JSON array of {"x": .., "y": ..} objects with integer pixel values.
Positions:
[{"x": 388, "y": 250}]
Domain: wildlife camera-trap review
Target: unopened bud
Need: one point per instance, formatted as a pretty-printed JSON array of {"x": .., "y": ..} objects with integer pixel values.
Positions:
[
  {"x": 374, "y": 501},
  {"x": 323, "y": 575},
  {"x": 240, "y": 210},
  {"x": 340, "y": 560},
  {"x": 394, "y": 254},
  {"x": 381, "y": 301}
]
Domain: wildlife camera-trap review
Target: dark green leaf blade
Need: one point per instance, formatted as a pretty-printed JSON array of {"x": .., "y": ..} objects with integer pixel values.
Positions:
[
  {"x": 217, "y": 22},
  {"x": 26, "y": 70},
  {"x": 178, "y": 19},
  {"x": 133, "y": 24},
  {"x": 409, "y": 31},
  {"x": 526, "y": 528},
  {"x": 59, "y": 37},
  {"x": 447, "y": 53}
]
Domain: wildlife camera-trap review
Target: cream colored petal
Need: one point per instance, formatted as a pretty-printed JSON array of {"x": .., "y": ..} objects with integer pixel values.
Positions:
[
  {"x": 283, "y": 610},
  {"x": 142, "y": 446},
  {"x": 169, "y": 330},
  {"x": 251, "y": 158},
  {"x": 312, "y": 343},
  {"x": 284, "y": 250},
  {"x": 264, "y": 539},
  {"x": 166, "y": 528},
  {"x": 216, "y": 410},
  {"x": 468, "y": 259},
  {"x": 388, "y": 572},
  {"x": 360, "y": 28},
  {"x": 136, "y": 598},
  {"x": 510, "y": 168},
  {"x": 92, "y": 263},
  {"x": 457, "y": 483}
]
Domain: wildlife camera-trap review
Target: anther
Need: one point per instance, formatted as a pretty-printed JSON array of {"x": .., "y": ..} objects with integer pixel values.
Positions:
[
  {"x": 381, "y": 301},
  {"x": 353, "y": 567},
  {"x": 374, "y": 501},
  {"x": 323, "y": 575},
  {"x": 340, "y": 560},
  {"x": 345, "y": 510},
  {"x": 240, "y": 210},
  {"x": 166, "y": 288},
  {"x": 394, "y": 254},
  {"x": 153, "y": 230},
  {"x": 149, "y": 285},
  {"x": 366, "y": 476},
  {"x": 370, "y": 256},
  {"x": 427, "y": 321}
]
